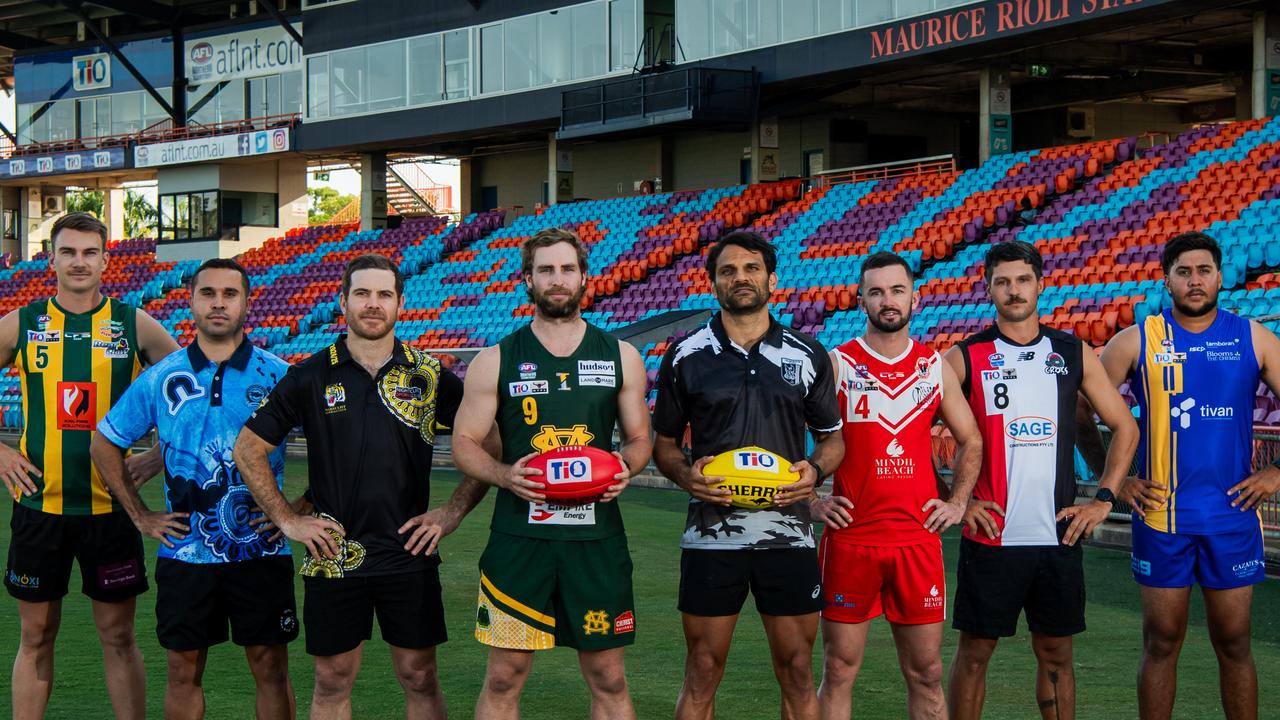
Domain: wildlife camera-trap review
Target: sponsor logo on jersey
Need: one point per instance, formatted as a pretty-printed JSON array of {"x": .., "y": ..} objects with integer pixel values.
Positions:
[
  {"x": 990, "y": 375},
  {"x": 1027, "y": 356},
  {"x": 255, "y": 395},
  {"x": 117, "y": 349},
  {"x": 595, "y": 367},
  {"x": 934, "y": 599},
  {"x": 564, "y": 380},
  {"x": 1245, "y": 569},
  {"x": 1184, "y": 411},
  {"x": 525, "y": 388},
  {"x": 996, "y": 359},
  {"x": 1170, "y": 358},
  {"x": 551, "y": 437},
  {"x": 1009, "y": 374},
  {"x": 624, "y": 623},
  {"x": 595, "y": 622},
  {"x": 47, "y": 337},
  {"x": 527, "y": 370},
  {"x": 1030, "y": 429},
  {"x": 597, "y": 381},
  {"x": 408, "y": 393},
  {"x": 1223, "y": 356},
  {"x": 111, "y": 329},
  {"x": 840, "y": 601},
  {"x": 1140, "y": 567},
  {"x": 1167, "y": 344},
  {"x": 894, "y": 449},
  {"x": 42, "y": 321},
  {"x": 23, "y": 581},
  {"x": 861, "y": 370},
  {"x": 865, "y": 385},
  {"x": 892, "y": 375},
  {"x": 921, "y": 392},
  {"x": 179, "y": 388},
  {"x": 791, "y": 371},
  {"x": 1054, "y": 364},
  {"x": 553, "y": 514},
  {"x": 752, "y": 460}
]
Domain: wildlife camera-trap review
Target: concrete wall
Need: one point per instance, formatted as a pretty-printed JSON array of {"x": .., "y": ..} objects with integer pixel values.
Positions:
[
  {"x": 518, "y": 176},
  {"x": 611, "y": 169},
  {"x": 706, "y": 159}
]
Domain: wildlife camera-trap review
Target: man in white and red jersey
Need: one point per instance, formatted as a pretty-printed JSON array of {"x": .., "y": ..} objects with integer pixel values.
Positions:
[
  {"x": 881, "y": 554},
  {"x": 1019, "y": 550}
]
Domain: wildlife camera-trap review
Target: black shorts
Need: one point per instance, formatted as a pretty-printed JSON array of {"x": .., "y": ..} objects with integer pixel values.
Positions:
[
  {"x": 784, "y": 582},
  {"x": 995, "y": 584},
  {"x": 43, "y": 546},
  {"x": 196, "y": 602},
  {"x": 338, "y": 612}
]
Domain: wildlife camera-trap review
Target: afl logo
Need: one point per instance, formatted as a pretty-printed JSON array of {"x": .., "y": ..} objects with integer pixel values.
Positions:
[
  {"x": 201, "y": 53},
  {"x": 1031, "y": 429}
]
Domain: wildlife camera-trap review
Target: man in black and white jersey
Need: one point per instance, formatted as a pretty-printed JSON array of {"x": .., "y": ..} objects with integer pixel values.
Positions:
[{"x": 746, "y": 380}]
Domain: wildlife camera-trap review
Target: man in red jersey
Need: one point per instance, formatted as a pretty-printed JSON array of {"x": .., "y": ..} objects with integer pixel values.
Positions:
[{"x": 881, "y": 554}]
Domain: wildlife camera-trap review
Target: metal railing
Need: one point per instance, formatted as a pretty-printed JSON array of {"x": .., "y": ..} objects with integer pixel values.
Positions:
[
  {"x": 645, "y": 96},
  {"x": 936, "y": 165}
]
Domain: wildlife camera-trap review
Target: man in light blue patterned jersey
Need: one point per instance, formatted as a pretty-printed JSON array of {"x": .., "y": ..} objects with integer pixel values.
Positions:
[{"x": 214, "y": 569}]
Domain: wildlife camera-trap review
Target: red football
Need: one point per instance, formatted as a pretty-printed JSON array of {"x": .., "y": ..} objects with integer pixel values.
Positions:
[{"x": 575, "y": 473}]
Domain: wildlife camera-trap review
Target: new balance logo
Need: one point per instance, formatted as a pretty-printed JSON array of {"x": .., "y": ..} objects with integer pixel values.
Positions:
[{"x": 1027, "y": 356}]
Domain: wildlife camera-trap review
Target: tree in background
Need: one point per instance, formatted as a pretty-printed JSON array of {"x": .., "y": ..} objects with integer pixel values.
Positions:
[
  {"x": 140, "y": 216},
  {"x": 325, "y": 202}
]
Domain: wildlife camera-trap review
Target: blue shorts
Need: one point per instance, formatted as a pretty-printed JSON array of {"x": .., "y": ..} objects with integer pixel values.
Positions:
[{"x": 1217, "y": 562}]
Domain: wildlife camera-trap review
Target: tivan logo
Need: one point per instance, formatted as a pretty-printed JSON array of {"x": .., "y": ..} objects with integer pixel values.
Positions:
[
  {"x": 1183, "y": 412},
  {"x": 1031, "y": 429},
  {"x": 752, "y": 460},
  {"x": 568, "y": 470}
]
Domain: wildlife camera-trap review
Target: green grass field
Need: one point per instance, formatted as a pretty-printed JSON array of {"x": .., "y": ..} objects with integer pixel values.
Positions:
[{"x": 1106, "y": 656}]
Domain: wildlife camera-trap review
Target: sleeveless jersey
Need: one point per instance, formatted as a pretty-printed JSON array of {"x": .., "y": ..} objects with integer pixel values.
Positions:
[
  {"x": 1196, "y": 393},
  {"x": 1024, "y": 398},
  {"x": 888, "y": 406},
  {"x": 73, "y": 368},
  {"x": 545, "y": 402}
]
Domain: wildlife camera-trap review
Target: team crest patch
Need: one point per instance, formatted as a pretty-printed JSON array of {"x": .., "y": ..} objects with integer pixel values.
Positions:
[
  {"x": 791, "y": 371},
  {"x": 1054, "y": 364},
  {"x": 180, "y": 388},
  {"x": 922, "y": 367},
  {"x": 595, "y": 622},
  {"x": 527, "y": 370},
  {"x": 335, "y": 398}
]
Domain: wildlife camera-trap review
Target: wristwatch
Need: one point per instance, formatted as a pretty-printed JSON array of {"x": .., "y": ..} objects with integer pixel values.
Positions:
[{"x": 1105, "y": 495}]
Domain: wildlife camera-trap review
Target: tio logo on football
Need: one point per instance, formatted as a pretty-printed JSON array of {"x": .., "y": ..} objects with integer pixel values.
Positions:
[
  {"x": 569, "y": 470},
  {"x": 752, "y": 460}
]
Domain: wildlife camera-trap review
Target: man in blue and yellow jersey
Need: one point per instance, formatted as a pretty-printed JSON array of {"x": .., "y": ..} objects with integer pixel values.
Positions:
[
  {"x": 1195, "y": 370},
  {"x": 76, "y": 353}
]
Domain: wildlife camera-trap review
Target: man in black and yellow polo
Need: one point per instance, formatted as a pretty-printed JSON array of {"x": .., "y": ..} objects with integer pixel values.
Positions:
[
  {"x": 370, "y": 406},
  {"x": 552, "y": 574},
  {"x": 76, "y": 353}
]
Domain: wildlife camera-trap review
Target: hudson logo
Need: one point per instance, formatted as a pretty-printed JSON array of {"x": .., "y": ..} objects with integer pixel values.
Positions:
[
  {"x": 1031, "y": 429},
  {"x": 566, "y": 470},
  {"x": 752, "y": 460}
]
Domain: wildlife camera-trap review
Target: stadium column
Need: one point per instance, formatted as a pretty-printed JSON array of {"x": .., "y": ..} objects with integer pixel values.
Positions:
[
  {"x": 113, "y": 211},
  {"x": 1266, "y": 64},
  {"x": 466, "y": 186},
  {"x": 995, "y": 113},
  {"x": 373, "y": 191},
  {"x": 559, "y": 171}
]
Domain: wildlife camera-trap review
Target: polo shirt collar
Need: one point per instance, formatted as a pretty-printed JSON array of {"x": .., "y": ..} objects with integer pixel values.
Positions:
[
  {"x": 772, "y": 336},
  {"x": 238, "y": 360},
  {"x": 339, "y": 354}
]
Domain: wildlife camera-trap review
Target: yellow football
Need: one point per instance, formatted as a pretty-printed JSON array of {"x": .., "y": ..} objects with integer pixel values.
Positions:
[{"x": 752, "y": 473}]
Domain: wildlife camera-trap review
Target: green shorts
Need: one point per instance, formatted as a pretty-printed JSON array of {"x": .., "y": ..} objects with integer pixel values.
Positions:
[{"x": 538, "y": 594}]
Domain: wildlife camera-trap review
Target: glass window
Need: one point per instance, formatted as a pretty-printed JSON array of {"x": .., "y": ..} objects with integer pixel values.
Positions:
[
  {"x": 554, "y": 45},
  {"x": 126, "y": 113},
  {"x": 62, "y": 121},
  {"x": 386, "y": 75},
  {"x": 290, "y": 93},
  {"x": 831, "y": 15},
  {"x": 907, "y": 8},
  {"x": 871, "y": 12},
  {"x": 622, "y": 35},
  {"x": 491, "y": 59},
  {"x": 25, "y": 125},
  {"x": 589, "y": 34},
  {"x": 231, "y": 102},
  {"x": 249, "y": 208},
  {"x": 167, "y": 218},
  {"x": 152, "y": 113},
  {"x": 769, "y": 23},
  {"x": 347, "y": 89},
  {"x": 424, "y": 70},
  {"x": 520, "y": 56},
  {"x": 204, "y": 214},
  {"x": 693, "y": 28},
  {"x": 728, "y": 26},
  {"x": 318, "y": 86},
  {"x": 798, "y": 19},
  {"x": 457, "y": 62},
  {"x": 95, "y": 115}
]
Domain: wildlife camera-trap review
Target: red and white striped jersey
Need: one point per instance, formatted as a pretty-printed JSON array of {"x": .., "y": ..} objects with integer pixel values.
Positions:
[{"x": 888, "y": 406}]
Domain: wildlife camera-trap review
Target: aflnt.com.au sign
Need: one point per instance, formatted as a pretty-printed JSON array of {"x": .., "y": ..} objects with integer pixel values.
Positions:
[
  {"x": 249, "y": 53},
  {"x": 984, "y": 21}
]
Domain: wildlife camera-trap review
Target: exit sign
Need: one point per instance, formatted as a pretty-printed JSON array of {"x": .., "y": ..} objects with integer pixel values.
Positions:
[{"x": 1039, "y": 70}]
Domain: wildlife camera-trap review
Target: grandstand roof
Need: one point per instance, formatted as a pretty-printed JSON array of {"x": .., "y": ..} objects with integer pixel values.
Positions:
[{"x": 42, "y": 25}]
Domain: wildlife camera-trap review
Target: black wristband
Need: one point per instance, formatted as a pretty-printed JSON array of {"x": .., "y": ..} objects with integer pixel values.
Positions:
[{"x": 817, "y": 467}]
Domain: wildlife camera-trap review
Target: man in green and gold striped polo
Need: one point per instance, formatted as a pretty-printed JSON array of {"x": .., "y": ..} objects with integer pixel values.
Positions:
[{"x": 76, "y": 353}]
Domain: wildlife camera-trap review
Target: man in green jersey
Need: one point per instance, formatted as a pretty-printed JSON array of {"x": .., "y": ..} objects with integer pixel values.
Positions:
[
  {"x": 553, "y": 574},
  {"x": 76, "y": 353}
]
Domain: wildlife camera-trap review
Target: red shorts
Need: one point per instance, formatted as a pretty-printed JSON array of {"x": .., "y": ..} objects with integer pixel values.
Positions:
[{"x": 907, "y": 585}]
